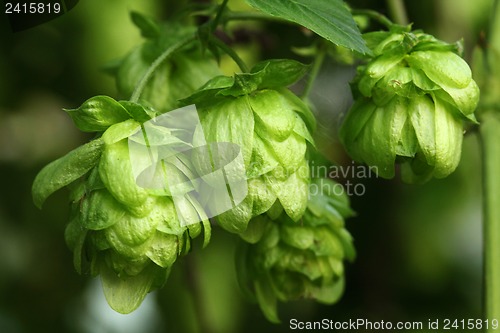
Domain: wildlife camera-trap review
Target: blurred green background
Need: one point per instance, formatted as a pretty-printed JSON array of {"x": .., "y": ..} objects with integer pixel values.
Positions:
[{"x": 419, "y": 247}]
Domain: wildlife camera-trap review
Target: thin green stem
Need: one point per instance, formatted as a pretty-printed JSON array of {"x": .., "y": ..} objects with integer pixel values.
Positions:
[
  {"x": 374, "y": 15},
  {"x": 136, "y": 94},
  {"x": 192, "y": 273},
  {"x": 490, "y": 141},
  {"x": 494, "y": 33},
  {"x": 489, "y": 131},
  {"x": 318, "y": 62},
  {"x": 398, "y": 11},
  {"x": 230, "y": 52},
  {"x": 218, "y": 17}
]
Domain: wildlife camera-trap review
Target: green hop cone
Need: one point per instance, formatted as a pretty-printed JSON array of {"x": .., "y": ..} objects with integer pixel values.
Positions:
[
  {"x": 271, "y": 126},
  {"x": 175, "y": 78},
  {"x": 284, "y": 260},
  {"x": 129, "y": 235},
  {"x": 411, "y": 101}
]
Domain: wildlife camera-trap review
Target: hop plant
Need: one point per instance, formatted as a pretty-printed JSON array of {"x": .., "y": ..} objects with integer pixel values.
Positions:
[
  {"x": 285, "y": 260},
  {"x": 272, "y": 127},
  {"x": 411, "y": 101}
]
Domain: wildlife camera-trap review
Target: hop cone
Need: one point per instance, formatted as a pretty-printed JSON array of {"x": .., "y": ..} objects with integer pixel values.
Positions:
[
  {"x": 272, "y": 127},
  {"x": 411, "y": 101},
  {"x": 286, "y": 260},
  {"x": 127, "y": 234},
  {"x": 177, "y": 77}
]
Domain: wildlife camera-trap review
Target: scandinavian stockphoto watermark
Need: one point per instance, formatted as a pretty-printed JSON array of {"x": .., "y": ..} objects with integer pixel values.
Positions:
[
  {"x": 363, "y": 324},
  {"x": 349, "y": 178}
]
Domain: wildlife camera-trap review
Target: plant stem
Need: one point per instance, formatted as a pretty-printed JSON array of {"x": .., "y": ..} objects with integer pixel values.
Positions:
[
  {"x": 490, "y": 141},
  {"x": 494, "y": 37},
  {"x": 217, "y": 19},
  {"x": 374, "y": 15},
  {"x": 192, "y": 274},
  {"x": 318, "y": 62},
  {"x": 230, "y": 52},
  {"x": 489, "y": 131},
  {"x": 398, "y": 11},
  {"x": 136, "y": 94}
]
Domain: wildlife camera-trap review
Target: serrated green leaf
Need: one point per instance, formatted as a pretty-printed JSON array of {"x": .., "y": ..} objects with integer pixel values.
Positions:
[
  {"x": 209, "y": 90},
  {"x": 328, "y": 18},
  {"x": 137, "y": 111},
  {"x": 279, "y": 73},
  {"x": 98, "y": 113},
  {"x": 269, "y": 74},
  {"x": 65, "y": 170}
]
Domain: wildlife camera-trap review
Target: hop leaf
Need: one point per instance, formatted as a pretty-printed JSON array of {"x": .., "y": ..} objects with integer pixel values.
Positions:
[{"x": 98, "y": 113}]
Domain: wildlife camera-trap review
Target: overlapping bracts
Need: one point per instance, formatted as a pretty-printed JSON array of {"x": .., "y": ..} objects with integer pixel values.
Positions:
[{"x": 411, "y": 101}]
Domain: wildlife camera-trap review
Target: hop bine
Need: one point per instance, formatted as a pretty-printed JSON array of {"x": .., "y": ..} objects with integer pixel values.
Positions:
[{"x": 411, "y": 101}]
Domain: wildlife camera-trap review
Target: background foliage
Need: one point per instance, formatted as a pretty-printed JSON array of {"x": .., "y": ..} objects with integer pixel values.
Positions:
[{"x": 419, "y": 247}]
